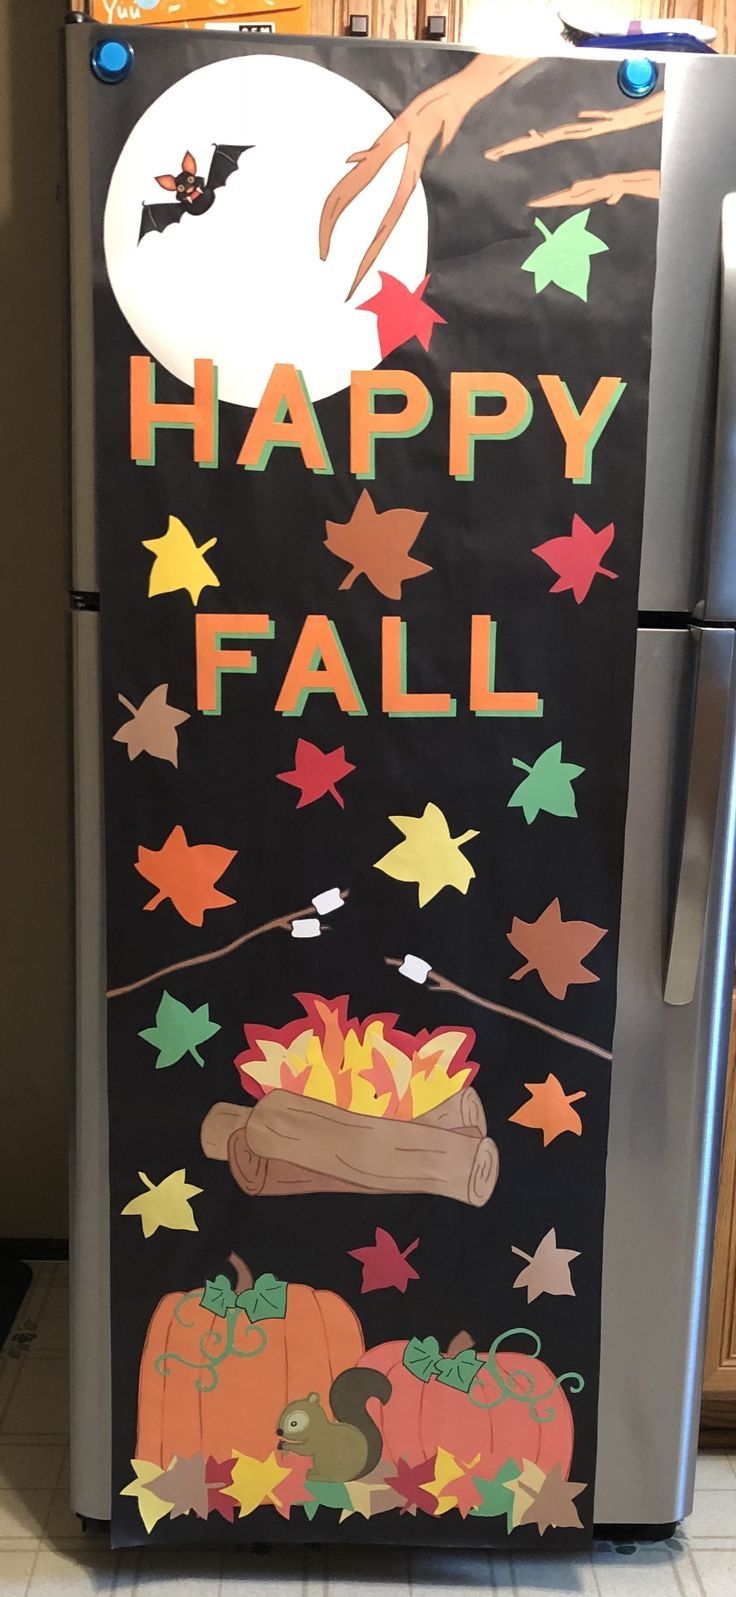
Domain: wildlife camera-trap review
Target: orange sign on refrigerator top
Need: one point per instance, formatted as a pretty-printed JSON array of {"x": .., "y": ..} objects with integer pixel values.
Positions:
[{"x": 273, "y": 16}]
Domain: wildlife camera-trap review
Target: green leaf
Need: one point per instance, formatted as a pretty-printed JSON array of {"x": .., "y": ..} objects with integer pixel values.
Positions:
[
  {"x": 497, "y": 1500},
  {"x": 461, "y": 1371},
  {"x": 178, "y": 1031},
  {"x": 421, "y": 1357},
  {"x": 218, "y": 1296},
  {"x": 547, "y": 785},
  {"x": 564, "y": 256},
  {"x": 330, "y": 1494},
  {"x": 265, "y": 1300}
]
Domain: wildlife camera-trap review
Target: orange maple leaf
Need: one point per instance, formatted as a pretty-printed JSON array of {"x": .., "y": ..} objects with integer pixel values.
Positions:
[
  {"x": 186, "y": 873},
  {"x": 555, "y": 949},
  {"x": 377, "y": 543},
  {"x": 549, "y": 1110}
]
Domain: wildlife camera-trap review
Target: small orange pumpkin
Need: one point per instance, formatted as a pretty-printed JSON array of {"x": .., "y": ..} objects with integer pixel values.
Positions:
[
  {"x": 210, "y": 1382},
  {"x": 515, "y": 1408}
]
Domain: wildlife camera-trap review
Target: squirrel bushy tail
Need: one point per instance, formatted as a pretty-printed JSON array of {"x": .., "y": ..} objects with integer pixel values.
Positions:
[{"x": 348, "y": 1397}]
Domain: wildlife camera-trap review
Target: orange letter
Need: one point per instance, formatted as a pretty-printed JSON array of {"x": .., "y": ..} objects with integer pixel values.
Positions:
[
  {"x": 367, "y": 424},
  {"x": 581, "y": 429},
  {"x": 285, "y": 391},
  {"x": 396, "y": 700},
  {"x": 483, "y": 697},
  {"x": 319, "y": 644},
  {"x": 466, "y": 426},
  {"x": 212, "y": 660},
  {"x": 146, "y": 414}
]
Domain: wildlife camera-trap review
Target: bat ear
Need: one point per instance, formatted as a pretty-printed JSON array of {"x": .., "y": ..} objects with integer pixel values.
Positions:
[
  {"x": 167, "y": 181},
  {"x": 189, "y": 164}
]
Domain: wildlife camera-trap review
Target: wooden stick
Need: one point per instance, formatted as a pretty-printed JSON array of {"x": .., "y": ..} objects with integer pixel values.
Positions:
[
  {"x": 437, "y": 983},
  {"x": 590, "y": 125},
  {"x": 283, "y": 921},
  {"x": 363, "y": 1154}
]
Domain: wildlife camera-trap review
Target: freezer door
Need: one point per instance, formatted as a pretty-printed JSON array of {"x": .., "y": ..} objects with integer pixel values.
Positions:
[
  {"x": 89, "y": 1261},
  {"x": 668, "y": 1080},
  {"x": 698, "y": 170}
]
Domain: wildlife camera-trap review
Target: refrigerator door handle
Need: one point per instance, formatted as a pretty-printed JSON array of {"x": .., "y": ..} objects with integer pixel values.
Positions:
[
  {"x": 714, "y": 663},
  {"x": 720, "y": 585}
]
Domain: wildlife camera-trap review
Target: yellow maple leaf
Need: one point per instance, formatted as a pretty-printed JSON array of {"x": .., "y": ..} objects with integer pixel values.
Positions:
[
  {"x": 531, "y": 1476},
  {"x": 150, "y": 1507},
  {"x": 167, "y": 1204},
  {"x": 446, "y": 1469},
  {"x": 254, "y": 1482},
  {"x": 429, "y": 855},
  {"x": 179, "y": 562}
]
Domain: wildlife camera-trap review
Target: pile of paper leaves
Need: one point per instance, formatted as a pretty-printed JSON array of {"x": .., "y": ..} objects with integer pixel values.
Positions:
[
  {"x": 368, "y": 1066},
  {"x": 519, "y": 1493}
]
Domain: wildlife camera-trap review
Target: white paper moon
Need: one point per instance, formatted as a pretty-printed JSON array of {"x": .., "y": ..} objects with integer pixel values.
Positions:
[{"x": 243, "y": 285}]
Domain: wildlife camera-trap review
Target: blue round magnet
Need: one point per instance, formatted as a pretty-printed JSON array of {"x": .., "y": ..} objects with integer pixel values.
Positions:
[
  {"x": 638, "y": 76},
  {"x": 111, "y": 60}
]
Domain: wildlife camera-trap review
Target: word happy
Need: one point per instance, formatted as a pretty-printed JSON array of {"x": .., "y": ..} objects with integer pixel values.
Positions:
[{"x": 285, "y": 417}]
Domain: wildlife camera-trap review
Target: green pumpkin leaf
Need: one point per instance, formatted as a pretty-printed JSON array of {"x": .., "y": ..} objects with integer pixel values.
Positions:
[
  {"x": 330, "y": 1494},
  {"x": 265, "y": 1300},
  {"x": 461, "y": 1371},
  {"x": 546, "y": 786},
  {"x": 218, "y": 1296},
  {"x": 497, "y": 1500},
  {"x": 564, "y": 256},
  {"x": 420, "y": 1357}
]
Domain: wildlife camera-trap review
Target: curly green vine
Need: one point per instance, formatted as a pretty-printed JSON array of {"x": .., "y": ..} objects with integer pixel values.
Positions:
[
  {"x": 210, "y": 1345},
  {"x": 518, "y": 1385}
]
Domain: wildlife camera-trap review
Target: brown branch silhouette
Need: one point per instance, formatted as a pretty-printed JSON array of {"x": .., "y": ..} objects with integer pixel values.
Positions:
[
  {"x": 438, "y": 983},
  {"x": 611, "y": 188},
  {"x": 280, "y": 921},
  {"x": 435, "y": 114},
  {"x": 589, "y": 125}
]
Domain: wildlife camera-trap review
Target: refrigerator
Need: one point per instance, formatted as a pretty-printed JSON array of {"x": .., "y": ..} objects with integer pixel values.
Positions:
[{"x": 678, "y": 936}]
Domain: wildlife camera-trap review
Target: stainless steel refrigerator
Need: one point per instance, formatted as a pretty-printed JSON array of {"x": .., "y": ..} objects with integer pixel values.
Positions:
[{"x": 678, "y": 933}]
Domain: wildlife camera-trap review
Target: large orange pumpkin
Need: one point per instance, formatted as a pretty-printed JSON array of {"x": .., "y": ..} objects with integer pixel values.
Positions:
[
  {"x": 209, "y": 1383},
  {"x": 532, "y": 1419}
]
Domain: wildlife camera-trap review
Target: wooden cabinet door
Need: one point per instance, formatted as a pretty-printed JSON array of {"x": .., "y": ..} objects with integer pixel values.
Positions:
[
  {"x": 387, "y": 19},
  {"x": 719, "y": 1380}
]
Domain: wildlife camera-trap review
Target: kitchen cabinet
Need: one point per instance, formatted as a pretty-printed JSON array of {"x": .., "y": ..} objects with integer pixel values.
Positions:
[{"x": 480, "y": 21}]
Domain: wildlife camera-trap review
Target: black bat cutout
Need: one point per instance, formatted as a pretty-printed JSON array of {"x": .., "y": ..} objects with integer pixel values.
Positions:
[{"x": 156, "y": 218}]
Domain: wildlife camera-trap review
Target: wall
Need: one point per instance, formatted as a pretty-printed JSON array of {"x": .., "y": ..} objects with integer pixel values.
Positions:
[{"x": 35, "y": 957}]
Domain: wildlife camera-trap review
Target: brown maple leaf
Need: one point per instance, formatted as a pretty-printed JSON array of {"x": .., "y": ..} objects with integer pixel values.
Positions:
[
  {"x": 555, "y": 949},
  {"x": 547, "y": 1269},
  {"x": 377, "y": 543},
  {"x": 186, "y": 874},
  {"x": 549, "y": 1110},
  {"x": 152, "y": 727},
  {"x": 553, "y": 1503},
  {"x": 184, "y": 1486}
]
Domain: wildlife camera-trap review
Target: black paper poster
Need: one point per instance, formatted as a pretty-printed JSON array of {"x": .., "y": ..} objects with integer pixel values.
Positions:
[{"x": 372, "y": 351}]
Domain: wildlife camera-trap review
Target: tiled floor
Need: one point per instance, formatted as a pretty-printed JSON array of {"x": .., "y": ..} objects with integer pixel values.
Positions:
[{"x": 43, "y": 1554}]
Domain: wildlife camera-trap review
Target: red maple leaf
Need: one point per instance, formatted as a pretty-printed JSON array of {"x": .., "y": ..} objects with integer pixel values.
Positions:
[
  {"x": 408, "y": 1482},
  {"x": 401, "y": 314},
  {"x": 464, "y": 1489},
  {"x": 218, "y": 1474},
  {"x": 293, "y": 1489},
  {"x": 317, "y": 773},
  {"x": 577, "y": 558},
  {"x": 384, "y": 1264},
  {"x": 186, "y": 874},
  {"x": 555, "y": 949}
]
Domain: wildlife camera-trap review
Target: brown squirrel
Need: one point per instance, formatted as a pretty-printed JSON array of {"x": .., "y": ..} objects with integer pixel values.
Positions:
[{"x": 343, "y": 1449}]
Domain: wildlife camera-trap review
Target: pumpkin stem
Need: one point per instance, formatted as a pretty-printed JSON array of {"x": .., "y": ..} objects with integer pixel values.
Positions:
[
  {"x": 243, "y": 1276},
  {"x": 460, "y": 1344}
]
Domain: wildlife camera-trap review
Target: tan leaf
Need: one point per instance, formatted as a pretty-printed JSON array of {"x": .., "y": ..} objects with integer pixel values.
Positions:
[{"x": 152, "y": 727}]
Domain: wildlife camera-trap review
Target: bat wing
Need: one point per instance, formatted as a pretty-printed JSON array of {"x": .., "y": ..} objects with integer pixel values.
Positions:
[
  {"x": 224, "y": 162},
  {"x": 156, "y": 218}
]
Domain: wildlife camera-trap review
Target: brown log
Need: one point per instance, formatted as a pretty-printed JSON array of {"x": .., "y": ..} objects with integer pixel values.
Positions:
[
  {"x": 463, "y": 1112},
  {"x": 360, "y": 1153},
  {"x": 275, "y": 1178}
]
